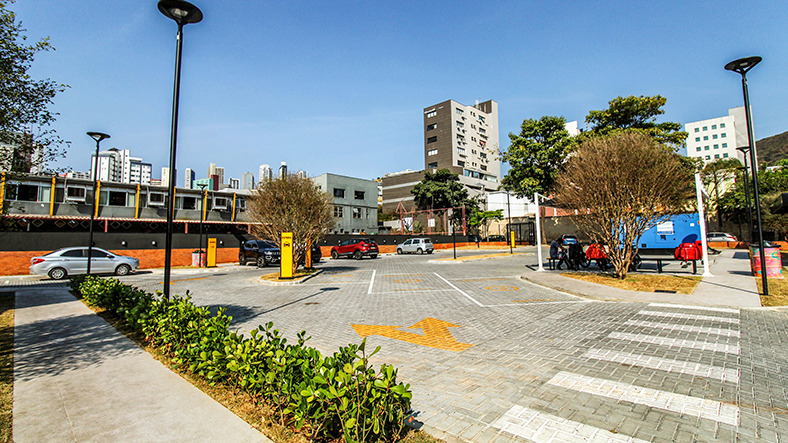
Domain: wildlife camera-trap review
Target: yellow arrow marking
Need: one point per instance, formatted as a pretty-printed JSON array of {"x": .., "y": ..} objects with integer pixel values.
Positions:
[{"x": 436, "y": 334}]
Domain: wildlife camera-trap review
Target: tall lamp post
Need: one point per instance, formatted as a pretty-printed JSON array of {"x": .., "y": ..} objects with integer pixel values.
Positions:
[
  {"x": 202, "y": 217},
  {"x": 742, "y": 66},
  {"x": 98, "y": 136},
  {"x": 183, "y": 13},
  {"x": 744, "y": 150}
]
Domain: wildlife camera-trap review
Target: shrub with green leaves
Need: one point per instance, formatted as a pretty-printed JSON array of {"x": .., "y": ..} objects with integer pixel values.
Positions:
[{"x": 341, "y": 396}]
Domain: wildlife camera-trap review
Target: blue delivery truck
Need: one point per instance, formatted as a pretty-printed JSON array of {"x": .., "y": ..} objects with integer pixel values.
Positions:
[{"x": 667, "y": 236}]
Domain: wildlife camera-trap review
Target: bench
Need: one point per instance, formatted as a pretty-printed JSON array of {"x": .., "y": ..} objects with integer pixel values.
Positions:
[{"x": 660, "y": 260}]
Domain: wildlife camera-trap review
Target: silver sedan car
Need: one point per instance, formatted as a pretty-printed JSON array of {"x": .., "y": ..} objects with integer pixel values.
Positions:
[
  {"x": 417, "y": 245},
  {"x": 71, "y": 261}
]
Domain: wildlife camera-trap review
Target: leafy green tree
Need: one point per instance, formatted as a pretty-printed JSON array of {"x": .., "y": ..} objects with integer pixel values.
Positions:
[
  {"x": 25, "y": 118},
  {"x": 636, "y": 112},
  {"x": 536, "y": 155},
  {"x": 483, "y": 218},
  {"x": 771, "y": 184},
  {"x": 438, "y": 190},
  {"x": 714, "y": 174}
]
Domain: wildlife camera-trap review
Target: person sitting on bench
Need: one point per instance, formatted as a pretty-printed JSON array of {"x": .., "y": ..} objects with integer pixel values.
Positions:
[{"x": 557, "y": 252}]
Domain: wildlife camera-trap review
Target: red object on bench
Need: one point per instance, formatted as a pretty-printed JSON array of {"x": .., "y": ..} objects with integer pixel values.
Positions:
[
  {"x": 595, "y": 252},
  {"x": 688, "y": 251}
]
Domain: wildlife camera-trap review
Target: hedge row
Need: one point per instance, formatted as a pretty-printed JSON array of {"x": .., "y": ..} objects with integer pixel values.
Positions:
[{"x": 326, "y": 397}]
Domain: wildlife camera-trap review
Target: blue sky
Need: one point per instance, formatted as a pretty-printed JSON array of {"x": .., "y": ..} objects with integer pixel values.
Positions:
[{"x": 340, "y": 86}]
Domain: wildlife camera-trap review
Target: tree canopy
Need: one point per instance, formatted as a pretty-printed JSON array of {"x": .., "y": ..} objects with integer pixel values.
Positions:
[
  {"x": 438, "y": 190},
  {"x": 290, "y": 204},
  {"x": 622, "y": 185},
  {"x": 636, "y": 112},
  {"x": 25, "y": 117},
  {"x": 536, "y": 155}
]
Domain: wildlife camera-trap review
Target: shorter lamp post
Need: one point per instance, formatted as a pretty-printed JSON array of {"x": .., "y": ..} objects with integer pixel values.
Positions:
[
  {"x": 745, "y": 150},
  {"x": 98, "y": 136},
  {"x": 509, "y": 231},
  {"x": 202, "y": 217}
]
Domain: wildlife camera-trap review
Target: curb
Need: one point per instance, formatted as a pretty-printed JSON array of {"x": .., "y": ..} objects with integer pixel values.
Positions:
[{"x": 292, "y": 282}]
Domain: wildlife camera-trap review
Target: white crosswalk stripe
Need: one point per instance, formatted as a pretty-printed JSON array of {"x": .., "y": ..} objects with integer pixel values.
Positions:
[
  {"x": 696, "y": 308},
  {"x": 676, "y": 342},
  {"x": 665, "y": 364},
  {"x": 684, "y": 328},
  {"x": 690, "y": 316}
]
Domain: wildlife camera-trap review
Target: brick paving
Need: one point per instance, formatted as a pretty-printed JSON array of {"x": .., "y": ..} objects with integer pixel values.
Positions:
[{"x": 544, "y": 365}]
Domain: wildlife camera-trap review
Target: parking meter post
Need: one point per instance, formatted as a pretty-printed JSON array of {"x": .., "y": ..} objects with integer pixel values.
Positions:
[
  {"x": 286, "y": 257},
  {"x": 538, "y": 233},
  {"x": 308, "y": 256}
]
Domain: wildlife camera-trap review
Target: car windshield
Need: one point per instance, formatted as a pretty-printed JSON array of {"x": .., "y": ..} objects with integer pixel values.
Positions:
[
  {"x": 266, "y": 244},
  {"x": 367, "y": 240}
]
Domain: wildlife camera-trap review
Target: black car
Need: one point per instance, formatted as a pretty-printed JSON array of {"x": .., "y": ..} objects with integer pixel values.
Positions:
[
  {"x": 495, "y": 238},
  {"x": 262, "y": 252}
]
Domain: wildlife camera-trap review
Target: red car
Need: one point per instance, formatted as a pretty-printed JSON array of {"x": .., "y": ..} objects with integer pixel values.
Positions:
[{"x": 356, "y": 248}]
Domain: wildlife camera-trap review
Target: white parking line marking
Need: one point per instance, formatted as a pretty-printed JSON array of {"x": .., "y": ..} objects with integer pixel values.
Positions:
[
  {"x": 623, "y": 392},
  {"x": 664, "y": 364},
  {"x": 675, "y": 342},
  {"x": 371, "y": 282},
  {"x": 541, "y": 426},
  {"x": 697, "y": 308},
  {"x": 690, "y": 316},
  {"x": 684, "y": 328},
  {"x": 460, "y": 291}
]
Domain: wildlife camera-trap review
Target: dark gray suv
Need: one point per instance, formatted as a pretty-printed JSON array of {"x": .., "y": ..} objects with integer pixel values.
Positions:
[{"x": 261, "y": 252}]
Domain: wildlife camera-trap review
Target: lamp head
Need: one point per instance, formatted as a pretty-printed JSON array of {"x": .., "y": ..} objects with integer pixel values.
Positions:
[
  {"x": 743, "y": 65},
  {"x": 98, "y": 136},
  {"x": 743, "y": 149},
  {"x": 181, "y": 11}
]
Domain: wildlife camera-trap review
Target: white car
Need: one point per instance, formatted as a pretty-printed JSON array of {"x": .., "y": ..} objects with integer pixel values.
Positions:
[
  {"x": 71, "y": 261},
  {"x": 720, "y": 236},
  {"x": 417, "y": 245}
]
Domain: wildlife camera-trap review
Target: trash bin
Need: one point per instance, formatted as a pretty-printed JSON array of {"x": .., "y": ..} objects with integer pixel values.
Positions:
[
  {"x": 774, "y": 266},
  {"x": 198, "y": 259}
]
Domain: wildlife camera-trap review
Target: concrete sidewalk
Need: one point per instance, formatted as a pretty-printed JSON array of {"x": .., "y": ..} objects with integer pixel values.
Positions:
[
  {"x": 731, "y": 285},
  {"x": 77, "y": 379}
]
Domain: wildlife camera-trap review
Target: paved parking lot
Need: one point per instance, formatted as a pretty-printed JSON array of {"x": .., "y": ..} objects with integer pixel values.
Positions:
[{"x": 491, "y": 357}]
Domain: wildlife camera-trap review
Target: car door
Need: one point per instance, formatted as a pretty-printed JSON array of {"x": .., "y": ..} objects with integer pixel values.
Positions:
[
  {"x": 75, "y": 261},
  {"x": 100, "y": 261},
  {"x": 406, "y": 246}
]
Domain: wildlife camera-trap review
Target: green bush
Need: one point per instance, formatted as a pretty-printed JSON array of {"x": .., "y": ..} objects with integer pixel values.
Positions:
[{"x": 340, "y": 396}]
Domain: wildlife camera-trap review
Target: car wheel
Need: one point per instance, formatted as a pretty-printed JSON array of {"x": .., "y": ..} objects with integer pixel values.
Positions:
[
  {"x": 58, "y": 274},
  {"x": 419, "y": 251},
  {"x": 241, "y": 259},
  {"x": 399, "y": 251},
  {"x": 357, "y": 255},
  {"x": 334, "y": 255},
  {"x": 373, "y": 256},
  {"x": 261, "y": 263},
  {"x": 123, "y": 270},
  {"x": 429, "y": 251}
]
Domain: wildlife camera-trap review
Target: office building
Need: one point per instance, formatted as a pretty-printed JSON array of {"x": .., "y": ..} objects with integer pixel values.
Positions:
[
  {"x": 165, "y": 176},
  {"x": 266, "y": 173},
  {"x": 717, "y": 138},
  {"x": 355, "y": 202},
  {"x": 117, "y": 165},
  {"x": 283, "y": 169},
  {"x": 247, "y": 180},
  {"x": 189, "y": 177}
]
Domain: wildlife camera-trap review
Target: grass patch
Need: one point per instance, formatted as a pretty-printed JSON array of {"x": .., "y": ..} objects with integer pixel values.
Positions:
[
  {"x": 274, "y": 276},
  {"x": 240, "y": 403},
  {"x": 643, "y": 283},
  {"x": 778, "y": 291},
  {"x": 6, "y": 366}
]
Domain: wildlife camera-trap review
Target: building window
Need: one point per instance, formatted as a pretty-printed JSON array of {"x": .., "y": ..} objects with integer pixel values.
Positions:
[
  {"x": 460, "y": 124},
  {"x": 725, "y": 155},
  {"x": 723, "y": 135},
  {"x": 432, "y": 126},
  {"x": 714, "y": 136},
  {"x": 705, "y": 128},
  {"x": 716, "y": 146},
  {"x": 708, "y": 157},
  {"x": 716, "y": 156},
  {"x": 186, "y": 203},
  {"x": 112, "y": 198},
  {"x": 705, "y": 137},
  {"x": 722, "y": 125},
  {"x": 706, "y": 148},
  {"x": 338, "y": 211},
  {"x": 713, "y": 127},
  {"x": 358, "y": 195},
  {"x": 357, "y": 213},
  {"x": 220, "y": 203},
  {"x": 697, "y": 139},
  {"x": 483, "y": 167},
  {"x": 75, "y": 193},
  {"x": 461, "y": 151},
  {"x": 432, "y": 152},
  {"x": 432, "y": 165},
  {"x": 483, "y": 155},
  {"x": 432, "y": 139},
  {"x": 431, "y": 114},
  {"x": 724, "y": 145},
  {"x": 156, "y": 199},
  {"x": 339, "y": 193},
  {"x": 697, "y": 129},
  {"x": 460, "y": 163},
  {"x": 698, "y": 149},
  {"x": 459, "y": 111}
]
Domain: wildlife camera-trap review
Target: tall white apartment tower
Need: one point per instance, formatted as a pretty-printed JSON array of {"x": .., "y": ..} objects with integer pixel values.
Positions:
[
  {"x": 119, "y": 166},
  {"x": 217, "y": 171},
  {"x": 266, "y": 173},
  {"x": 189, "y": 177},
  {"x": 464, "y": 139},
  {"x": 717, "y": 138}
]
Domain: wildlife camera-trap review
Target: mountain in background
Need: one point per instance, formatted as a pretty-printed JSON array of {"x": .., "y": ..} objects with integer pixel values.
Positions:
[{"x": 772, "y": 149}]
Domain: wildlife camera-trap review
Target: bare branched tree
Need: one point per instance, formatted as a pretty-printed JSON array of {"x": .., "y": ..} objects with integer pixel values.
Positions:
[
  {"x": 623, "y": 185},
  {"x": 290, "y": 204}
]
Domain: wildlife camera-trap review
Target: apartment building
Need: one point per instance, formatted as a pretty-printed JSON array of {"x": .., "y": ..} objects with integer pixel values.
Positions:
[
  {"x": 117, "y": 165},
  {"x": 717, "y": 138}
]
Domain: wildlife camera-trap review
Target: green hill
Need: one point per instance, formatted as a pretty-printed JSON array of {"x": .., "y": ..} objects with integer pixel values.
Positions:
[{"x": 772, "y": 149}]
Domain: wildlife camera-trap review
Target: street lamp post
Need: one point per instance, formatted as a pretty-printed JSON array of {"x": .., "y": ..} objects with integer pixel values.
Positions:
[
  {"x": 742, "y": 66},
  {"x": 745, "y": 150},
  {"x": 182, "y": 13},
  {"x": 202, "y": 217},
  {"x": 98, "y": 136}
]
